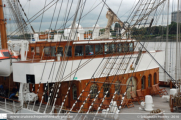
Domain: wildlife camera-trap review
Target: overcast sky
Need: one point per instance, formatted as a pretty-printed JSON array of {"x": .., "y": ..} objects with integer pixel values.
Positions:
[{"x": 121, "y": 7}]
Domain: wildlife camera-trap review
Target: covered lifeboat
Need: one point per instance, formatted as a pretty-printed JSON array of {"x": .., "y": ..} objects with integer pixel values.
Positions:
[{"x": 6, "y": 59}]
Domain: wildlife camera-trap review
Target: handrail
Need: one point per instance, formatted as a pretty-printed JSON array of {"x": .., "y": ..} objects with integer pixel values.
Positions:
[
  {"x": 12, "y": 106},
  {"x": 9, "y": 99}
]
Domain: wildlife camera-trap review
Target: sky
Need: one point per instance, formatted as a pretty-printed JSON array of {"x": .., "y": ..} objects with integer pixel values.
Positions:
[{"x": 31, "y": 7}]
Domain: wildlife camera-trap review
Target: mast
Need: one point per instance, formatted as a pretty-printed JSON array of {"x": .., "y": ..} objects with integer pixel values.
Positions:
[
  {"x": 176, "y": 71},
  {"x": 3, "y": 28},
  {"x": 166, "y": 48}
]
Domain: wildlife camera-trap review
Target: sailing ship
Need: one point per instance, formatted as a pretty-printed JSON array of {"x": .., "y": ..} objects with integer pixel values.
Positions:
[{"x": 79, "y": 71}]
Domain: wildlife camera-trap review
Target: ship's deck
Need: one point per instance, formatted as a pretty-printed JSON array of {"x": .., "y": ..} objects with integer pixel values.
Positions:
[
  {"x": 158, "y": 102},
  {"x": 126, "y": 113}
]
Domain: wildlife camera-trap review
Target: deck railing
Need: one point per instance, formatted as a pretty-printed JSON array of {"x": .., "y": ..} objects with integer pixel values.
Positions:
[{"x": 10, "y": 104}]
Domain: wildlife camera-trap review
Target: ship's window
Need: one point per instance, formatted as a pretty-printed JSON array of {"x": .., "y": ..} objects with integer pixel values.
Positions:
[
  {"x": 155, "y": 80},
  {"x": 6, "y": 54},
  {"x": 106, "y": 88},
  {"x": 149, "y": 80},
  {"x": 74, "y": 91},
  {"x": 106, "y": 49},
  {"x": 117, "y": 87},
  {"x": 60, "y": 50},
  {"x": 69, "y": 52},
  {"x": 119, "y": 47},
  {"x": 32, "y": 49},
  {"x": 53, "y": 51},
  {"x": 89, "y": 49},
  {"x": 94, "y": 90},
  {"x": 79, "y": 50},
  {"x": 99, "y": 49},
  {"x": 109, "y": 48},
  {"x": 47, "y": 51},
  {"x": 37, "y": 50},
  {"x": 143, "y": 82},
  {"x": 131, "y": 47},
  {"x": 30, "y": 78},
  {"x": 125, "y": 47}
]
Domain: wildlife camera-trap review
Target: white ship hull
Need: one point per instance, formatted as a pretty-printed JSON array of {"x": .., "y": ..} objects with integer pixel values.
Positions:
[{"x": 48, "y": 72}]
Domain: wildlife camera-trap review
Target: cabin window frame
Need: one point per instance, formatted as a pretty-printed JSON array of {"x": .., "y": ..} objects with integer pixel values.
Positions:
[
  {"x": 94, "y": 88},
  {"x": 101, "y": 50},
  {"x": 53, "y": 48},
  {"x": 119, "y": 47},
  {"x": 82, "y": 51},
  {"x": 110, "y": 48},
  {"x": 47, "y": 54},
  {"x": 62, "y": 50},
  {"x": 93, "y": 50},
  {"x": 74, "y": 92},
  {"x": 106, "y": 48},
  {"x": 149, "y": 80},
  {"x": 131, "y": 48},
  {"x": 143, "y": 80},
  {"x": 125, "y": 47},
  {"x": 106, "y": 87},
  {"x": 50, "y": 51},
  {"x": 69, "y": 51},
  {"x": 32, "y": 49}
]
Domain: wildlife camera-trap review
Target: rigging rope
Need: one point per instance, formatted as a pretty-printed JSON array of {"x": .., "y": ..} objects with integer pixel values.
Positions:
[{"x": 42, "y": 15}]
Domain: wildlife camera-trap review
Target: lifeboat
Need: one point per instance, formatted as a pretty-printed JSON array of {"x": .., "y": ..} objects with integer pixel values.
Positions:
[{"x": 6, "y": 59}]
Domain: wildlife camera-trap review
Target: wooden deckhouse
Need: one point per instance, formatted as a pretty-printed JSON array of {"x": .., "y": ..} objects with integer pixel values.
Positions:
[{"x": 83, "y": 50}]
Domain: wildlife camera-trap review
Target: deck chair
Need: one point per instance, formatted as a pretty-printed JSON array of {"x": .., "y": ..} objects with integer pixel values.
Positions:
[
  {"x": 118, "y": 99},
  {"x": 162, "y": 91},
  {"x": 140, "y": 95},
  {"x": 155, "y": 91},
  {"x": 127, "y": 102},
  {"x": 134, "y": 97},
  {"x": 105, "y": 104}
]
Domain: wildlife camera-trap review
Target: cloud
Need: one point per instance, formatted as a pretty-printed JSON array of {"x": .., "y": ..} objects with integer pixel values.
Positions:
[{"x": 31, "y": 7}]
